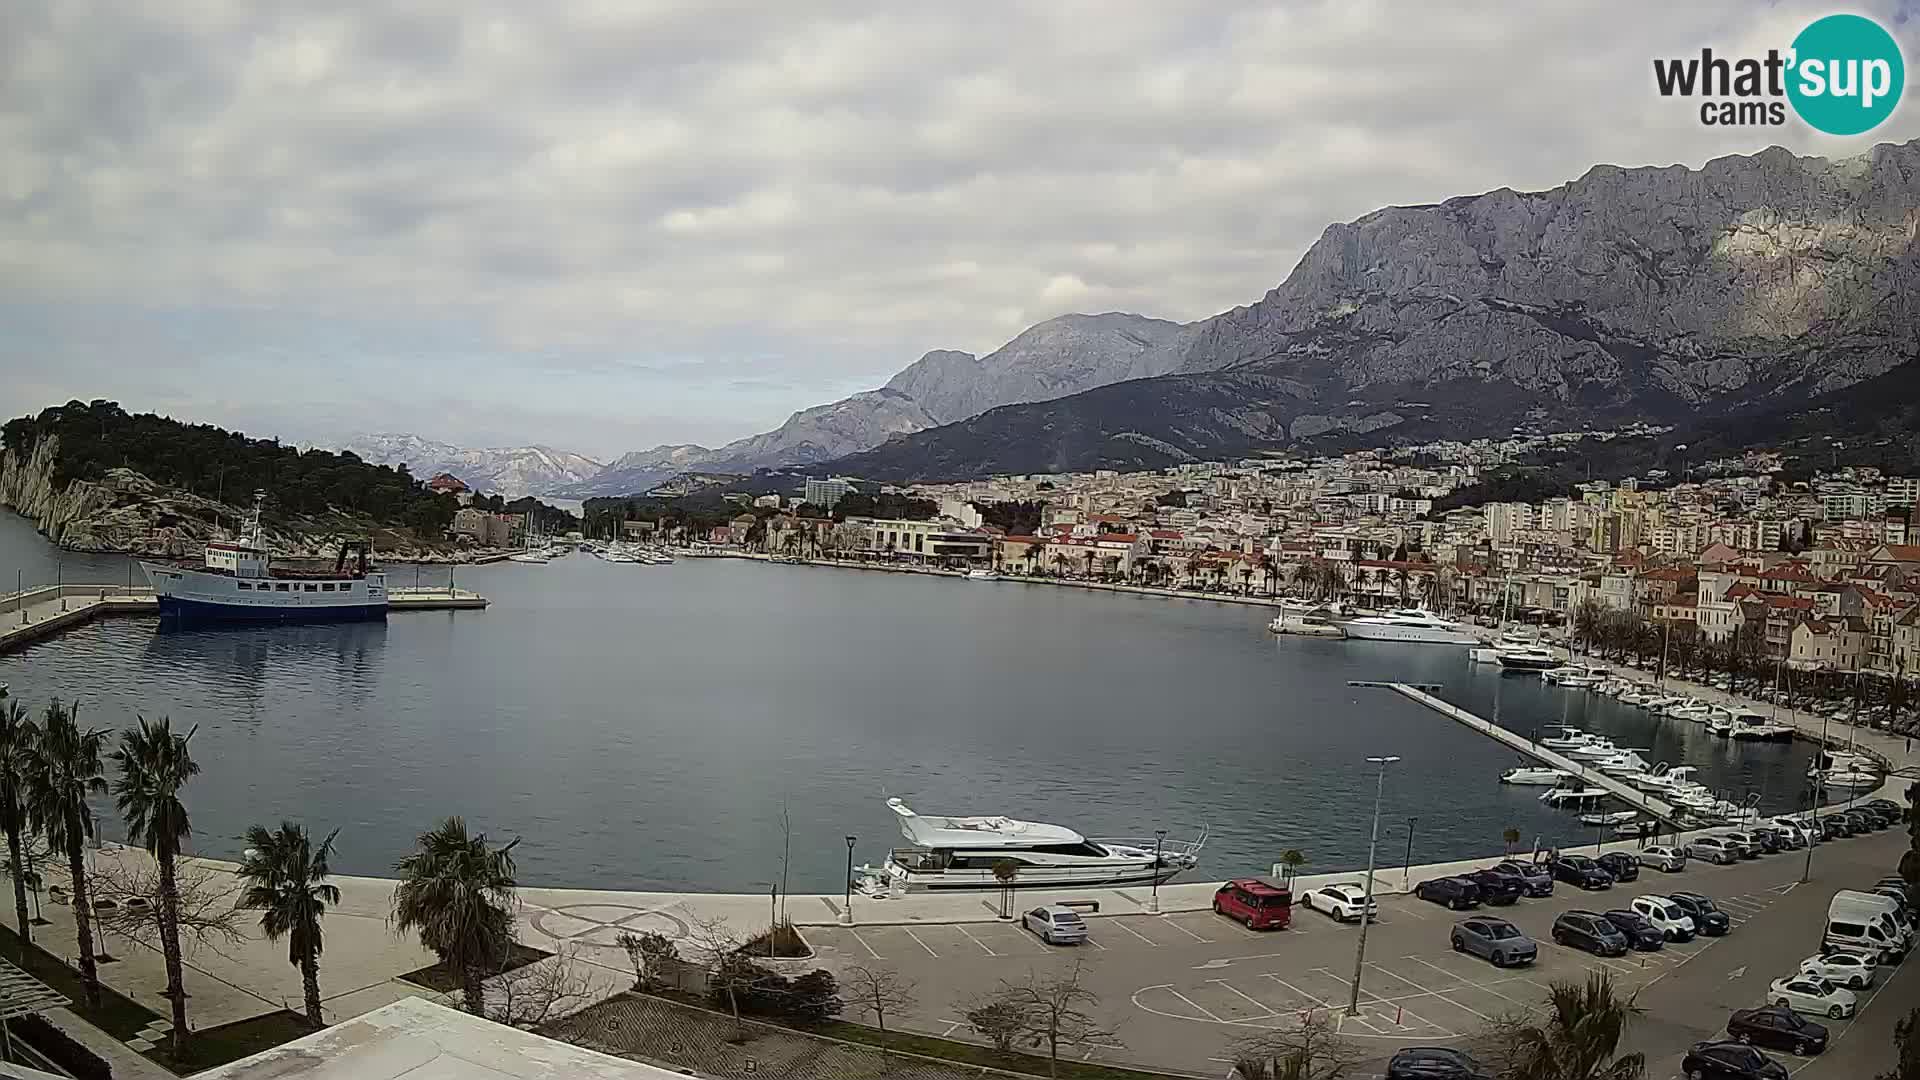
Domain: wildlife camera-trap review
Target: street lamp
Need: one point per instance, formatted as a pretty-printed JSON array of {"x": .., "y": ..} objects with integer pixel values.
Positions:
[
  {"x": 1153, "y": 902},
  {"x": 846, "y": 913},
  {"x": 1819, "y": 784},
  {"x": 1366, "y": 908}
]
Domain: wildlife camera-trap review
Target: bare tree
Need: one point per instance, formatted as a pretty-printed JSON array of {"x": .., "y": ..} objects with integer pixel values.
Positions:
[
  {"x": 1056, "y": 1011},
  {"x": 1312, "y": 1051},
  {"x": 997, "y": 1020},
  {"x": 717, "y": 948},
  {"x": 530, "y": 995},
  {"x": 651, "y": 954},
  {"x": 879, "y": 991},
  {"x": 126, "y": 901}
]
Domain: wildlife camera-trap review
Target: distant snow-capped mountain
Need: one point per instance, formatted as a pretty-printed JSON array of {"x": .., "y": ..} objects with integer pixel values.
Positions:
[{"x": 510, "y": 471}]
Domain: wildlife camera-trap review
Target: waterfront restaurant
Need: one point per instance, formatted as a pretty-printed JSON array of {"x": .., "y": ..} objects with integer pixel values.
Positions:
[{"x": 942, "y": 540}]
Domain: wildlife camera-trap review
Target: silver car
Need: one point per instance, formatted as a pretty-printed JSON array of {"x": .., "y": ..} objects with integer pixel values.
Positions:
[
  {"x": 1056, "y": 925},
  {"x": 1496, "y": 939},
  {"x": 1666, "y": 859}
]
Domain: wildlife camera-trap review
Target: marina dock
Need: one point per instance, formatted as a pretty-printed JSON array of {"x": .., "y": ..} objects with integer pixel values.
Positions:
[
  {"x": 35, "y": 614},
  {"x": 1626, "y": 793}
]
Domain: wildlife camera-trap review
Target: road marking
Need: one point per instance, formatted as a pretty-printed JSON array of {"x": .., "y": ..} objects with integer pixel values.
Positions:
[
  {"x": 1136, "y": 933},
  {"x": 1224, "y": 961},
  {"x": 1297, "y": 990},
  {"x": 975, "y": 940},
  {"x": 1416, "y": 986},
  {"x": 1256, "y": 1002},
  {"x": 1736, "y": 972},
  {"x": 1189, "y": 933},
  {"x": 917, "y": 941},
  {"x": 1202, "y": 1009},
  {"x": 1457, "y": 1004},
  {"x": 1089, "y": 940},
  {"x": 1377, "y": 1000},
  {"x": 864, "y": 945}
]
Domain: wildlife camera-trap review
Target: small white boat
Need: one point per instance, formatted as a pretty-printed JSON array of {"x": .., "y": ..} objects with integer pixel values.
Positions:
[
  {"x": 982, "y": 575},
  {"x": 1618, "y": 817},
  {"x": 1693, "y": 712},
  {"x": 1573, "y": 795},
  {"x": 531, "y": 556},
  {"x": 1528, "y": 658},
  {"x": 1850, "y": 779},
  {"x": 1534, "y": 776},
  {"x": 1305, "y": 624},
  {"x": 1719, "y": 722},
  {"x": 1568, "y": 739},
  {"x": 1594, "y": 750}
]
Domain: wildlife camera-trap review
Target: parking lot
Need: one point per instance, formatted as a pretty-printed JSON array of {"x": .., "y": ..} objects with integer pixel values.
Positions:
[{"x": 1180, "y": 989}]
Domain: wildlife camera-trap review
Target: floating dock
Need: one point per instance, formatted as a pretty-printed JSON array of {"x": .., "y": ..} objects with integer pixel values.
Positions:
[
  {"x": 30, "y": 616},
  {"x": 1621, "y": 790}
]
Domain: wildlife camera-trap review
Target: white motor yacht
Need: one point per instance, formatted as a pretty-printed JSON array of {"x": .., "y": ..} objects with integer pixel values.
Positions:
[
  {"x": 978, "y": 574},
  {"x": 1595, "y": 750},
  {"x": 1573, "y": 794},
  {"x": 1694, "y": 712},
  {"x": 1719, "y": 722},
  {"x": 1533, "y": 776},
  {"x": 1528, "y": 658},
  {"x": 1617, "y": 817},
  {"x": 951, "y": 853},
  {"x": 1305, "y": 624},
  {"x": 1411, "y": 626},
  {"x": 1568, "y": 739}
]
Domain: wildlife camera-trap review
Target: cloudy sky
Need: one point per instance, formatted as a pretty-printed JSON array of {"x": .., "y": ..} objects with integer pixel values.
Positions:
[{"x": 613, "y": 223}]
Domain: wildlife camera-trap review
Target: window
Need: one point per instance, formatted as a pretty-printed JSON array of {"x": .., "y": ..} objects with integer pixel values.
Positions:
[
  {"x": 326, "y": 586},
  {"x": 281, "y": 586},
  {"x": 244, "y": 587},
  {"x": 313, "y": 588}
]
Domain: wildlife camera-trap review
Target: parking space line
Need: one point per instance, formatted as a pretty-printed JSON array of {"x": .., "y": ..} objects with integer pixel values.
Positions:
[
  {"x": 1089, "y": 940},
  {"x": 1587, "y": 960},
  {"x": 1189, "y": 933},
  {"x": 864, "y": 944},
  {"x": 960, "y": 927},
  {"x": 1231, "y": 989},
  {"x": 1377, "y": 1000},
  {"x": 1136, "y": 933},
  {"x": 1027, "y": 938},
  {"x": 1443, "y": 997},
  {"x": 1401, "y": 1006},
  {"x": 1203, "y": 1010},
  {"x": 917, "y": 941},
  {"x": 1295, "y": 989}
]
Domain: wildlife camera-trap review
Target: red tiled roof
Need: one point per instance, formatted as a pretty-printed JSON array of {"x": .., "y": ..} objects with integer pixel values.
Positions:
[{"x": 1904, "y": 552}]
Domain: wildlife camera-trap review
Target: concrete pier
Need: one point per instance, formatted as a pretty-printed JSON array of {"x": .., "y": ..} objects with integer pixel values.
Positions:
[{"x": 1621, "y": 790}]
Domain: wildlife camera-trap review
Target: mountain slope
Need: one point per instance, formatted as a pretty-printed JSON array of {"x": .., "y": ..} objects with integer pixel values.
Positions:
[
  {"x": 510, "y": 471},
  {"x": 1661, "y": 293}
]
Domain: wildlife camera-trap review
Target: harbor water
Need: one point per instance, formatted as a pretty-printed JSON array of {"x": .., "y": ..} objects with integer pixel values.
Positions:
[{"x": 652, "y": 727}]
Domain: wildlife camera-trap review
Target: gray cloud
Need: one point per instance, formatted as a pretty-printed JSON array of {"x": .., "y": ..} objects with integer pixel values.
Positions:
[{"x": 611, "y": 223}]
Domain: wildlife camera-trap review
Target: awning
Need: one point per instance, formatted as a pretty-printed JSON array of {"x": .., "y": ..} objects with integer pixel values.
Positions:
[{"x": 21, "y": 994}]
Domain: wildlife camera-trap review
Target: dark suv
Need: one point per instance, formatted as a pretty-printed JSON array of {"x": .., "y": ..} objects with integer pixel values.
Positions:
[
  {"x": 1457, "y": 893},
  {"x": 1641, "y": 933},
  {"x": 1582, "y": 871},
  {"x": 1708, "y": 921},
  {"x": 1590, "y": 932},
  {"x": 1538, "y": 879},
  {"x": 1833, "y": 827},
  {"x": 1497, "y": 888},
  {"x": 1778, "y": 1029},
  {"x": 1434, "y": 1063},
  {"x": 1620, "y": 864}
]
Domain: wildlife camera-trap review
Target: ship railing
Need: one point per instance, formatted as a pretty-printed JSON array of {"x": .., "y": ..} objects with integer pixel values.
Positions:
[{"x": 1169, "y": 847}]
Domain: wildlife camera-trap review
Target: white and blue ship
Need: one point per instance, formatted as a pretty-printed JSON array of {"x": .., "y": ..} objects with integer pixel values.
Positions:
[{"x": 239, "y": 584}]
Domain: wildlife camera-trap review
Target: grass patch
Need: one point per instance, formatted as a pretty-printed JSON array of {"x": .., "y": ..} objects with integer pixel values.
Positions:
[
  {"x": 447, "y": 981},
  {"x": 211, "y": 1047},
  {"x": 787, "y": 944},
  {"x": 973, "y": 1054},
  {"x": 118, "y": 1015}
]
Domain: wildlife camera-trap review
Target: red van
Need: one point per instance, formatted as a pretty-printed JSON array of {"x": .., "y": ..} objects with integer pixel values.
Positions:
[{"x": 1254, "y": 902}]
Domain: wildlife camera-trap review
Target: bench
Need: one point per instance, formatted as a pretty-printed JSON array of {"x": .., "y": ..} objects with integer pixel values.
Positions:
[{"x": 1091, "y": 907}]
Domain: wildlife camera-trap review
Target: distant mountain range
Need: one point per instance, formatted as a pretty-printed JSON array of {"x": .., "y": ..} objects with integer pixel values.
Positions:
[{"x": 510, "y": 471}]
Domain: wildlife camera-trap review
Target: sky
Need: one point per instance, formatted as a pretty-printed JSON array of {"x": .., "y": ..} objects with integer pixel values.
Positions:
[{"x": 608, "y": 224}]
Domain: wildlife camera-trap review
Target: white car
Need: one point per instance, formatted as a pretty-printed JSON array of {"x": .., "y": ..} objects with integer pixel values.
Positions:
[
  {"x": 1344, "y": 901},
  {"x": 1713, "y": 849},
  {"x": 1665, "y": 915},
  {"x": 1661, "y": 857},
  {"x": 1846, "y": 969},
  {"x": 1810, "y": 993}
]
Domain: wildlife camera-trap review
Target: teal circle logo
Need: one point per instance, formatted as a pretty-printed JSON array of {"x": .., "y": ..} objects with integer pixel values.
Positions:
[{"x": 1847, "y": 74}]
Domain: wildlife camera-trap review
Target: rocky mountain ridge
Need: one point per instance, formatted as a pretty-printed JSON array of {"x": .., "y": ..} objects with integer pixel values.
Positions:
[
  {"x": 509, "y": 471},
  {"x": 1665, "y": 293}
]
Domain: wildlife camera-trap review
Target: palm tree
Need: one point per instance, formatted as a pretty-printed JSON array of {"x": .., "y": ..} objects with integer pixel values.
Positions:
[
  {"x": 1402, "y": 577},
  {"x": 287, "y": 883},
  {"x": 454, "y": 892},
  {"x": 1510, "y": 837},
  {"x": 1577, "y": 1038},
  {"x": 154, "y": 765},
  {"x": 62, "y": 769},
  {"x": 1293, "y": 859},
  {"x": 17, "y": 733}
]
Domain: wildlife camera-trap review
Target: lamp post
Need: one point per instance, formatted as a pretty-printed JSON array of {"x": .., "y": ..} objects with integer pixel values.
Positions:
[
  {"x": 1406, "y": 866},
  {"x": 846, "y": 913},
  {"x": 1819, "y": 775},
  {"x": 1153, "y": 901},
  {"x": 1366, "y": 909}
]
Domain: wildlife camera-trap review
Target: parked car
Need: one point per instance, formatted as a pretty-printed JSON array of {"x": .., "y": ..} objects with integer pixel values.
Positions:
[
  {"x": 1663, "y": 913},
  {"x": 1778, "y": 1029},
  {"x": 1668, "y": 860},
  {"x": 1708, "y": 920},
  {"x": 1256, "y": 903},
  {"x": 1497, "y": 889},
  {"x": 1434, "y": 1063},
  {"x": 1589, "y": 932},
  {"x": 1851, "y": 970},
  {"x": 1622, "y": 865},
  {"x": 1056, "y": 925},
  {"x": 1538, "y": 878},
  {"x": 1456, "y": 892},
  {"x": 1765, "y": 840},
  {"x": 1833, "y": 827},
  {"x": 1810, "y": 993},
  {"x": 1899, "y": 812},
  {"x": 1343, "y": 901},
  {"x": 1791, "y": 839},
  {"x": 1745, "y": 844},
  {"x": 1730, "y": 1060},
  {"x": 1495, "y": 939},
  {"x": 1713, "y": 849},
  {"x": 1582, "y": 871},
  {"x": 1640, "y": 932},
  {"x": 1862, "y": 821}
]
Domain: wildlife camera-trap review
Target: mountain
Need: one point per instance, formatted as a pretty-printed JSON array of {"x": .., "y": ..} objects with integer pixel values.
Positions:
[
  {"x": 1652, "y": 293},
  {"x": 1056, "y": 357},
  {"x": 511, "y": 471}
]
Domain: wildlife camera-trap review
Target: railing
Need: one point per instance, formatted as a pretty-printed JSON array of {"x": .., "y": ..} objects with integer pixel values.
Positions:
[{"x": 13, "y": 601}]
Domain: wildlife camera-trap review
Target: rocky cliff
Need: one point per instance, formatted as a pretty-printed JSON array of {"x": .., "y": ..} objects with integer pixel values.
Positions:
[{"x": 1655, "y": 292}]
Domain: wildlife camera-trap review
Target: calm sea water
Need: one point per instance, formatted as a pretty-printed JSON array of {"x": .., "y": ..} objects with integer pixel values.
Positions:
[{"x": 648, "y": 726}]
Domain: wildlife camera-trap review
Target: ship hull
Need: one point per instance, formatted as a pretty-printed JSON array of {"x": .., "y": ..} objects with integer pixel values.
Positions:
[
  {"x": 199, "y": 596},
  {"x": 184, "y": 610}
]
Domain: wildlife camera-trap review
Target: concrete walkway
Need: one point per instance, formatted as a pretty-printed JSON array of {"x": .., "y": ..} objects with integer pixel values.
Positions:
[
  {"x": 27, "y": 617},
  {"x": 127, "y": 1064}
]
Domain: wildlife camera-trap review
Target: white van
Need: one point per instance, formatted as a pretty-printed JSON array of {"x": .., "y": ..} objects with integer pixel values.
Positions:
[
  {"x": 1881, "y": 902},
  {"x": 1797, "y": 826},
  {"x": 1858, "y": 926}
]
